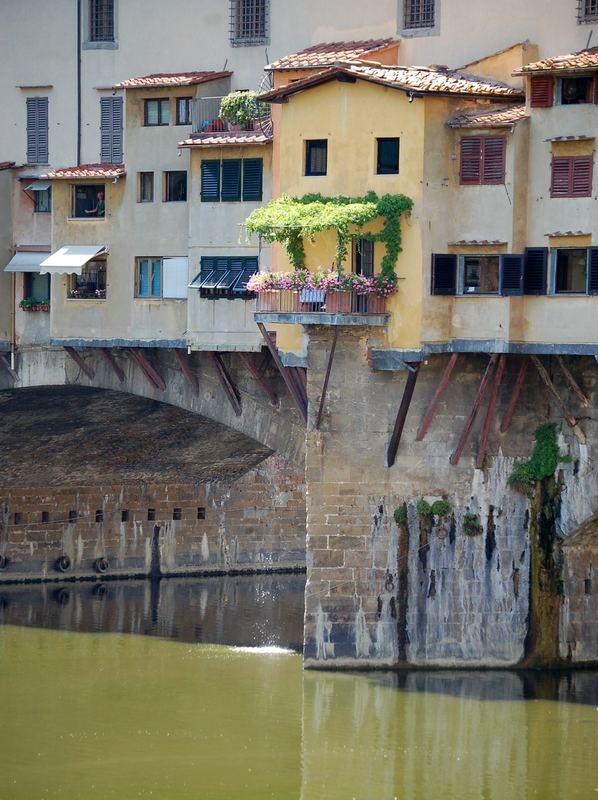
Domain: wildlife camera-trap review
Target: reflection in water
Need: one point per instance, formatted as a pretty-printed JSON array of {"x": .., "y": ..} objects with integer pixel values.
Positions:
[{"x": 103, "y": 714}]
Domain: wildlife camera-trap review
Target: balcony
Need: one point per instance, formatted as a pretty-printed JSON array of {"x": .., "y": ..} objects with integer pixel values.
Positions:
[
  {"x": 206, "y": 119},
  {"x": 318, "y": 307}
]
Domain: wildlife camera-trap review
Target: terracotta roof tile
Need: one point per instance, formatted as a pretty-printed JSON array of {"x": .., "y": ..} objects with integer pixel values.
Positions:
[
  {"x": 226, "y": 138},
  {"x": 568, "y": 233},
  {"x": 87, "y": 171},
  {"x": 477, "y": 242},
  {"x": 425, "y": 80},
  {"x": 328, "y": 53},
  {"x": 584, "y": 59},
  {"x": 169, "y": 80},
  {"x": 488, "y": 118}
]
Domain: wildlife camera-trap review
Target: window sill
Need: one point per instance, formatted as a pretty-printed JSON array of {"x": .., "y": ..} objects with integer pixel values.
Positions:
[
  {"x": 104, "y": 45},
  {"x": 86, "y": 219}
]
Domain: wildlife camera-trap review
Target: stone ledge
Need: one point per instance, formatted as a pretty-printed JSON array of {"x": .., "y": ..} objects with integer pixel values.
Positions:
[{"x": 320, "y": 318}]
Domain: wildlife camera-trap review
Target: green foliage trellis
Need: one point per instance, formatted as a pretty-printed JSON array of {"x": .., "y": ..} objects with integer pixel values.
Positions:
[{"x": 291, "y": 220}]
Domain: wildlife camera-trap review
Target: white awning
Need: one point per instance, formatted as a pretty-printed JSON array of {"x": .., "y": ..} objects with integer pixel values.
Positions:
[
  {"x": 38, "y": 186},
  {"x": 25, "y": 261},
  {"x": 71, "y": 259}
]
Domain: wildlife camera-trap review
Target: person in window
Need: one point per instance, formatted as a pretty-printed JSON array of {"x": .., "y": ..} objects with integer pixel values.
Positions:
[{"x": 100, "y": 208}]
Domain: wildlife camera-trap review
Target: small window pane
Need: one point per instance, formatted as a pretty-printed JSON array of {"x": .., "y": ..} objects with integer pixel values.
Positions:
[
  {"x": 316, "y": 151},
  {"x": 37, "y": 286},
  {"x": 101, "y": 20},
  {"x": 571, "y": 268},
  {"x": 363, "y": 257},
  {"x": 388, "y": 157},
  {"x": 146, "y": 187},
  {"x": 184, "y": 106},
  {"x": 480, "y": 274},
  {"x": 419, "y": 13},
  {"x": 149, "y": 277},
  {"x": 576, "y": 90},
  {"x": 175, "y": 189},
  {"x": 88, "y": 201},
  {"x": 156, "y": 285},
  {"x": 42, "y": 201}
]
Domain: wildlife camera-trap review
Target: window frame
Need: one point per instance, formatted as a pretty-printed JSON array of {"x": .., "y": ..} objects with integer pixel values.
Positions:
[
  {"x": 419, "y": 15},
  {"x": 28, "y": 280},
  {"x": 587, "y": 11},
  {"x": 311, "y": 146},
  {"x": 140, "y": 186},
  {"x": 387, "y": 139},
  {"x": 257, "y": 30},
  {"x": 554, "y": 255},
  {"x": 188, "y": 101},
  {"x": 36, "y": 201},
  {"x": 168, "y": 187},
  {"x": 163, "y": 102},
  {"x": 589, "y": 94},
  {"x": 99, "y": 187},
  {"x": 360, "y": 245},
  {"x": 95, "y": 8},
  {"x": 461, "y": 290},
  {"x": 100, "y": 292},
  {"x": 152, "y": 261}
]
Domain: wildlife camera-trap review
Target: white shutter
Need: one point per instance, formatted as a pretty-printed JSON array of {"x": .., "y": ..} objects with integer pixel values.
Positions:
[{"x": 175, "y": 278}]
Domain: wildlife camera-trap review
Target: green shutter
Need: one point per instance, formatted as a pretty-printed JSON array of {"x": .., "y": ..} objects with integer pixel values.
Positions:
[
  {"x": 210, "y": 180},
  {"x": 252, "y": 178},
  {"x": 231, "y": 179}
]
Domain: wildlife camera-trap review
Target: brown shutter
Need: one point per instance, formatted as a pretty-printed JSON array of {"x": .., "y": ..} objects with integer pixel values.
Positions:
[
  {"x": 493, "y": 160},
  {"x": 581, "y": 179},
  {"x": 596, "y": 88},
  {"x": 471, "y": 159},
  {"x": 560, "y": 183},
  {"x": 542, "y": 91}
]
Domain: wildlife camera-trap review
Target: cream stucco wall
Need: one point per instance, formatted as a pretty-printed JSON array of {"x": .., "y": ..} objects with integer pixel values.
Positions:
[{"x": 5, "y": 256}]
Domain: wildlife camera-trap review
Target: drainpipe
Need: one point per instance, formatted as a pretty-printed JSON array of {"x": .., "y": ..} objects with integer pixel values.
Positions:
[
  {"x": 13, "y": 322},
  {"x": 78, "y": 82}
]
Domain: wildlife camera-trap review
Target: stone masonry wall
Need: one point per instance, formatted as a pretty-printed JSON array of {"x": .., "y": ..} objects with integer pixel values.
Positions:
[
  {"x": 424, "y": 592},
  {"x": 254, "y": 523}
]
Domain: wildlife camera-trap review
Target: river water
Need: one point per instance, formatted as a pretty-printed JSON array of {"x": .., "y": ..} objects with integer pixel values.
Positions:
[{"x": 194, "y": 688}]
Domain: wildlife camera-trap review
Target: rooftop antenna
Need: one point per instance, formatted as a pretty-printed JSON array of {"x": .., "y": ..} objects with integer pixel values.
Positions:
[{"x": 589, "y": 37}]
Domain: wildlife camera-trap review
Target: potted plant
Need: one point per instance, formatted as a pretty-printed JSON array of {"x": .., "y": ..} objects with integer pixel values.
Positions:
[
  {"x": 239, "y": 109},
  {"x": 33, "y": 304}
]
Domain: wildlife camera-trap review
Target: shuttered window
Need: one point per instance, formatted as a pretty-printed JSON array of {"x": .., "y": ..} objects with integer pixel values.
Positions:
[
  {"x": 444, "y": 274},
  {"x": 111, "y": 130},
  {"x": 101, "y": 20},
  {"x": 571, "y": 176},
  {"x": 37, "y": 130},
  {"x": 482, "y": 160},
  {"x": 511, "y": 278},
  {"x": 593, "y": 270},
  {"x": 534, "y": 270},
  {"x": 231, "y": 179},
  {"x": 252, "y": 178},
  {"x": 210, "y": 180},
  {"x": 542, "y": 91}
]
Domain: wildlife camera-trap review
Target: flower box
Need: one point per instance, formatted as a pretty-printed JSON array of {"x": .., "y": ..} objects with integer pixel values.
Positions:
[
  {"x": 376, "y": 304},
  {"x": 338, "y": 302}
]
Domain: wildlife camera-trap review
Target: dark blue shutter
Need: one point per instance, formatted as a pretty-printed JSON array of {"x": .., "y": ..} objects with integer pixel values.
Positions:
[
  {"x": 511, "y": 281},
  {"x": 252, "y": 178},
  {"x": 207, "y": 263},
  {"x": 593, "y": 270},
  {"x": 37, "y": 130},
  {"x": 210, "y": 180},
  {"x": 534, "y": 272},
  {"x": 231, "y": 179},
  {"x": 111, "y": 130},
  {"x": 444, "y": 274}
]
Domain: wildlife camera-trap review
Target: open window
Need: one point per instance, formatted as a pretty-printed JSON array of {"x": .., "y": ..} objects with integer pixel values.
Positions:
[
  {"x": 88, "y": 201},
  {"x": 575, "y": 89},
  {"x": 570, "y": 266},
  {"x": 91, "y": 283}
]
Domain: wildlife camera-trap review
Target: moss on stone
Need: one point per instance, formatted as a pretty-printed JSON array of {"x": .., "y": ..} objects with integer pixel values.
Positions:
[
  {"x": 543, "y": 462},
  {"x": 472, "y": 525}
]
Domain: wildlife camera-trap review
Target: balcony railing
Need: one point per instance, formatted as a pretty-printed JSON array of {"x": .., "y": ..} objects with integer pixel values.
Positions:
[
  {"x": 319, "y": 302},
  {"x": 206, "y": 119}
]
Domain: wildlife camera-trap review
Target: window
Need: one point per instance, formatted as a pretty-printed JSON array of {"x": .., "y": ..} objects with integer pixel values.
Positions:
[
  {"x": 231, "y": 179},
  {"x": 316, "y": 154},
  {"x": 42, "y": 200},
  {"x": 111, "y": 130},
  {"x": 570, "y": 270},
  {"x": 175, "y": 186},
  {"x": 224, "y": 278},
  {"x": 91, "y": 284},
  {"x": 509, "y": 274},
  {"x": 363, "y": 257},
  {"x": 146, "y": 187},
  {"x": 36, "y": 285},
  {"x": 156, "y": 112},
  {"x": 101, "y": 20},
  {"x": 37, "y": 130},
  {"x": 161, "y": 277},
  {"x": 88, "y": 201},
  {"x": 482, "y": 160},
  {"x": 571, "y": 176},
  {"x": 587, "y": 10},
  {"x": 387, "y": 160},
  {"x": 184, "y": 110},
  {"x": 574, "y": 90},
  {"x": 249, "y": 22},
  {"x": 478, "y": 274},
  {"x": 418, "y": 14}
]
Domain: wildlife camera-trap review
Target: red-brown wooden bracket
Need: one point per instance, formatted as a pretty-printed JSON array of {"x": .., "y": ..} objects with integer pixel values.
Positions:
[
  {"x": 186, "y": 370},
  {"x": 395, "y": 439},
  {"x": 5, "y": 362},
  {"x": 570, "y": 419},
  {"x": 259, "y": 379},
  {"x": 515, "y": 395},
  {"x": 490, "y": 411},
  {"x": 227, "y": 382},
  {"x": 301, "y": 372},
  {"x": 150, "y": 373},
  {"x": 106, "y": 353},
  {"x": 299, "y": 375},
  {"x": 454, "y": 459},
  {"x": 429, "y": 415},
  {"x": 326, "y": 379},
  {"x": 80, "y": 362},
  {"x": 581, "y": 396},
  {"x": 289, "y": 382}
]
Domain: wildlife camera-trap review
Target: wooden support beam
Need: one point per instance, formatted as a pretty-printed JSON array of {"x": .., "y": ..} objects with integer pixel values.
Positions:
[
  {"x": 326, "y": 379},
  {"x": 581, "y": 396},
  {"x": 289, "y": 382},
  {"x": 454, "y": 459},
  {"x": 227, "y": 382},
  {"x": 300, "y": 379},
  {"x": 570, "y": 419},
  {"x": 395, "y": 439},
  {"x": 515, "y": 395},
  {"x": 429, "y": 415},
  {"x": 106, "y": 353},
  {"x": 5, "y": 362},
  {"x": 186, "y": 370},
  {"x": 490, "y": 411},
  {"x": 259, "y": 379},
  {"x": 78, "y": 359},
  {"x": 150, "y": 373},
  {"x": 302, "y": 374}
]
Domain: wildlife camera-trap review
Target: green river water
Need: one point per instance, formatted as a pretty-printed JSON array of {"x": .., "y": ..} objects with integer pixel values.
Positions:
[{"x": 195, "y": 689}]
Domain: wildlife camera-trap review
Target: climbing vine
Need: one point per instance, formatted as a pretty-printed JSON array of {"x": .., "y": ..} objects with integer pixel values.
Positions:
[
  {"x": 543, "y": 462},
  {"x": 291, "y": 220}
]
